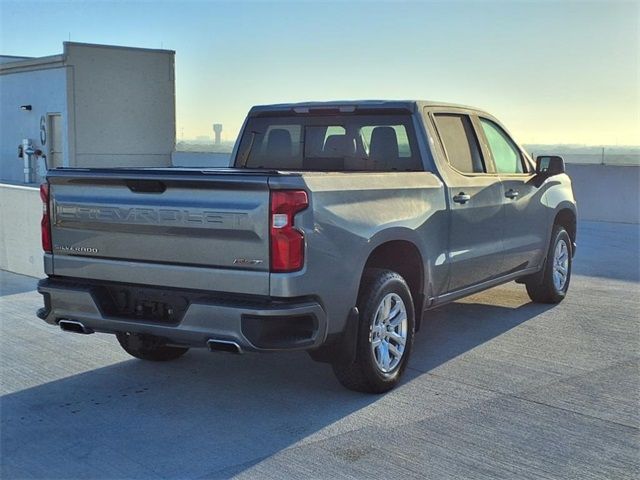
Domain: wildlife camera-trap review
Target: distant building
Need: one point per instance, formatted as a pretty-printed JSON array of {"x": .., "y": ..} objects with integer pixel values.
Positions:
[
  {"x": 91, "y": 106},
  {"x": 217, "y": 130}
]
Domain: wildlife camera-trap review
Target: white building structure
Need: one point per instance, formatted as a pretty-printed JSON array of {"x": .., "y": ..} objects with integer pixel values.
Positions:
[{"x": 91, "y": 106}]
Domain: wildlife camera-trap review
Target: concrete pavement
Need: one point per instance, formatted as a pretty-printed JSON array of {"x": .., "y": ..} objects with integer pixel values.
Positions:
[{"x": 497, "y": 387}]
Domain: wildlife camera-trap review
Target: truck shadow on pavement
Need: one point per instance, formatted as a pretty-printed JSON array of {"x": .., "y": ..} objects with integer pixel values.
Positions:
[
  {"x": 209, "y": 415},
  {"x": 455, "y": 329}
]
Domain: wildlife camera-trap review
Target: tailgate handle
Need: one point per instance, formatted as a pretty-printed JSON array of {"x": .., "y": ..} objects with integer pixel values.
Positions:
[{"x": 146, "y": 186}]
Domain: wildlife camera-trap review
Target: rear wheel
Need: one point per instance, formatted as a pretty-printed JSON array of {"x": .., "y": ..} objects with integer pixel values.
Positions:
[
  {"x": 553, "y": 285},
  {"x": 149, "y": 347},
  {"x": 385, "y": 334}
]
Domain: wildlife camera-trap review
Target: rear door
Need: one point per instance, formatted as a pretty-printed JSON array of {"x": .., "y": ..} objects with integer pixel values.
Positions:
[
  {"x": 525, "y": 231},
  {"x": 191, "y": 230},
  {"x": 475, "y": 199}
]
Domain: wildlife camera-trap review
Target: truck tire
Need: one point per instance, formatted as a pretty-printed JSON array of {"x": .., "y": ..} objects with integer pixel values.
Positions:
[
  {"x": 385, "y": 334},
  {"x": 148, "y": 347},
  {"x": 552, "y": 285}
]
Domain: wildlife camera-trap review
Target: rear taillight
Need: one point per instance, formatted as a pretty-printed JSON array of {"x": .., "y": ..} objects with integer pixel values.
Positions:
[
  {"x": 287, "y": 242},
  {"x": 45, "y": 224}
]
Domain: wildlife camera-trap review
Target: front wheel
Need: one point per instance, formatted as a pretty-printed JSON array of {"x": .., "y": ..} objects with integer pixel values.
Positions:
[
  {"x": 149, "y": 347},
  {"x": 385, "y": 334},
  {"x": 553, "y": 285}
]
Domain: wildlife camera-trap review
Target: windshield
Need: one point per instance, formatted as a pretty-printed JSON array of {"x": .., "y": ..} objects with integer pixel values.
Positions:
[{"x": 330, "y": 143}]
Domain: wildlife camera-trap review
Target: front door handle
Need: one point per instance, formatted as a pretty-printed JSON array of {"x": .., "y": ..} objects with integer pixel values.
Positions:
[
  {"x": 461, "y": 198},
  {"x": 511, "y": 193}
]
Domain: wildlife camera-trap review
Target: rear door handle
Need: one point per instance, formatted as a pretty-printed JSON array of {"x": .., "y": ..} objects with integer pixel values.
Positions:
[
  {"x": 461, "y": 198},
  {"x": 511, "y": 193}
]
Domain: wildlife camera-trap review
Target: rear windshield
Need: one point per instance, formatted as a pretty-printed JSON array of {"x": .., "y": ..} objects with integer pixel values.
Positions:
[{"x": 330, "y": 143}]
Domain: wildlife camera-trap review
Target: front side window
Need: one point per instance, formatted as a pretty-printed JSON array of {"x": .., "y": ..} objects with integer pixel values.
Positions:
[
  {"x": 460, "y": 142},
  {"x": 506, "y": 155},
  {"x": 355, "y": 142}
]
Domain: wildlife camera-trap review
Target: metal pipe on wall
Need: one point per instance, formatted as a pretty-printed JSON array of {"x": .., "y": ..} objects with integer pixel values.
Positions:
[{"x": 27, "y": 153}]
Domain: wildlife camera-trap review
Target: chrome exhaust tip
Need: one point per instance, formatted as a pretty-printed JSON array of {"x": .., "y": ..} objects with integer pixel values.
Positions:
[
  {"x": 73, "y": 326},
  {"x": 215, "y": 345}
]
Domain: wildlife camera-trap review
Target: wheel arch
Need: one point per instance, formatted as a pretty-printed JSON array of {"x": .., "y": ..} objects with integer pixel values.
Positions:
[
  {"x": 395, "y": 249},
  {"x": 404, "y": 258},
  {"x": 566, "y": 217}
]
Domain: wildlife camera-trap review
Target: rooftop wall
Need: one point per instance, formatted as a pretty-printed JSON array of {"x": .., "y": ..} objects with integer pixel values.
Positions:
[
  {"x": 123, "y": 105},
  {"x": 117, "y": 106},
  {"x": 45, "y": 91}
]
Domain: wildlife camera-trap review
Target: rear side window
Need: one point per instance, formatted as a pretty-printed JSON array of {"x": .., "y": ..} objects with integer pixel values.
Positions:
[
  {"x": 356, "y": 142},
  {"x": 460, "y": 142},
  {"x": 506, "y": 155}
]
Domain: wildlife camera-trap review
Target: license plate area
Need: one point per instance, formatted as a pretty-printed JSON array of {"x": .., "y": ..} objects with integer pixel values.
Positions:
[{"x": 143, "y": 304}]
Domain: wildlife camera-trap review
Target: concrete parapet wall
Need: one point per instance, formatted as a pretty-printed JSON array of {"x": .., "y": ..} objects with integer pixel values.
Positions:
[
  {"x": 606, "y": 193},
  {"x": 20, "y": 244},
  {"x": 200, "y": 159}
]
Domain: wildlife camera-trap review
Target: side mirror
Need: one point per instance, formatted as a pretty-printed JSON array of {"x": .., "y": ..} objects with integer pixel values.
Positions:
[{"x": 549, "y": 165}]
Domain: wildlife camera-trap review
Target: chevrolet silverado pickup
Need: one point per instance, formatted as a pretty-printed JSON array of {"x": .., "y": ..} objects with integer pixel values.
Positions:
[{"x": 335, "y": 230}]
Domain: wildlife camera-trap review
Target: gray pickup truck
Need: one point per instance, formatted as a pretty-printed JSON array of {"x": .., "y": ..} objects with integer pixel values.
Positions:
[{"x": 336, "y": 229}]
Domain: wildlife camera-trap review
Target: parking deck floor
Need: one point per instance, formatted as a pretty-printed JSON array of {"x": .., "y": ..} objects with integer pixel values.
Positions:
[{"x": 497, "y": 387}]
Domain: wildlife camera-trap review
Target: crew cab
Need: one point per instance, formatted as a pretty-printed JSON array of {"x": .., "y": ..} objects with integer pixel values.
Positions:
[{"x": 335, "y": 230}]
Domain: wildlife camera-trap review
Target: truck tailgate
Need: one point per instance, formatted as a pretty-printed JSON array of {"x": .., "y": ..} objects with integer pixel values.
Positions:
[{"x": 198, "y": 229}]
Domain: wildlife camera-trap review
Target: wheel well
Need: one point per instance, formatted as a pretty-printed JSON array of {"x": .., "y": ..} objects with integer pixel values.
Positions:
[
  {"x": 404, "y": 258},
  {"x": 567, "y": 219}
]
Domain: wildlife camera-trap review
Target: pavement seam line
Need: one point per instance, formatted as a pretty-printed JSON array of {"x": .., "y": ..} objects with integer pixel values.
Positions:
[{"x": 517, "y": 397}]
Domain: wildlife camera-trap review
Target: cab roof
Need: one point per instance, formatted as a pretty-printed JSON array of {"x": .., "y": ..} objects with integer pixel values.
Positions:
[{"x": 350, "y": 106}]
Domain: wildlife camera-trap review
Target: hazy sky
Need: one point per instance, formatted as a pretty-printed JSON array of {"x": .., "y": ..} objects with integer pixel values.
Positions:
[{"x": 554, "y": 72}]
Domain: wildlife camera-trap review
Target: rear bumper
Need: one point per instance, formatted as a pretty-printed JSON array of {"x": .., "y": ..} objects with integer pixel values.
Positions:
[{"x": 255, "y": 324}]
